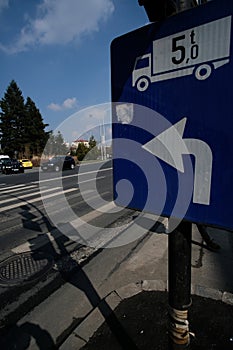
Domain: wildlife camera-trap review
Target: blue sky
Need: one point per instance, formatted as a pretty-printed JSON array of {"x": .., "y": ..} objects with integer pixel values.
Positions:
[{"x": 58, "y": 51}]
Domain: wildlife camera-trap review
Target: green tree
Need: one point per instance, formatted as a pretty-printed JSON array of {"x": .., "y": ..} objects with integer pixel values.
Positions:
[
  {"x": 60, "y": 145},
  {"x": 92, "y": 152},
  {"x": 55, "y": 145},
  {"x": 22, "y": 130},
  {"x": 35, "y": 134},
  {"x": 92, "y": 142},
  {"x": 12, "y": 120},
  {"x": 81, "y": 151},
  {"x": 50, "y": 145}
]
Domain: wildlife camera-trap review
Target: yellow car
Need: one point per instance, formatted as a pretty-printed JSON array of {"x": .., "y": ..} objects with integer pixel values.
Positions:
[{"x": 26, "y": 163}]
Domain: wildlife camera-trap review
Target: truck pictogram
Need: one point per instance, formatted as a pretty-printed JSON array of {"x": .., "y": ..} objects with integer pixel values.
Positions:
[{"x": 196, "y": 51}]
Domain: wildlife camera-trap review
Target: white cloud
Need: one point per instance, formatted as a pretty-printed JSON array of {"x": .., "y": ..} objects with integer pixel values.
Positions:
[
  {"x": 61, "y": 22},
  {"x": 69, "y": 103},
  {"x": 54, "y": 107}
]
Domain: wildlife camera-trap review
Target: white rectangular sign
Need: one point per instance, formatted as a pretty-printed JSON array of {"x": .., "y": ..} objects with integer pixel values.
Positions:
[{"x": 197, "y": 50}]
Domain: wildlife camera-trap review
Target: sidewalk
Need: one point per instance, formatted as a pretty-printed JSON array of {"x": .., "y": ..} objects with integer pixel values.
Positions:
[
  {"x": 103, "y": 289},
  {"x": 142, "y": 310}
]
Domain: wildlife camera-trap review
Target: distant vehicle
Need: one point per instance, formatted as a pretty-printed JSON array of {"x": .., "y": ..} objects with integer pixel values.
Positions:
[
  {"x": 2, "y": 162},
  {"x": 58, "y": 163},
  {"x": 2, "y": 156},
  {"x": 6, "y": 166},
  {"x": 17, "y": 166},
  {"x": 27, "y": 164},
  {"x": 11, "y": 166}
]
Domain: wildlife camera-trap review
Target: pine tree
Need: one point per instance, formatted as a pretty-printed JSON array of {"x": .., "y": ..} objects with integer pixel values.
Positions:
[
  {"x": 55, "y": 145},
  {"x": 61, "y": 148},
  {"x": 11, "y": 124},
  {"x": 35, "y": 134},
  {"x": 50, "y": 145},
  {"x": 22, "y": 131}
]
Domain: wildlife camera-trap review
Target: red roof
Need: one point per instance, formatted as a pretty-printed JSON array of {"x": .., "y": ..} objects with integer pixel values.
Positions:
[{"x": 80, "y": 140}]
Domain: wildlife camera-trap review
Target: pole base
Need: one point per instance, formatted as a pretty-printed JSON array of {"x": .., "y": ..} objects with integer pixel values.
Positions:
[{"x": 178, "y": 328}]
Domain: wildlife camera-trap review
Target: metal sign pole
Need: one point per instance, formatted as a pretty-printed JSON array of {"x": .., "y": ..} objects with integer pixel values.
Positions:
[
  {"x": 179, "y": 269},
  {"x": 179, "y": 241},
  {"x": 179, "y": 283}
]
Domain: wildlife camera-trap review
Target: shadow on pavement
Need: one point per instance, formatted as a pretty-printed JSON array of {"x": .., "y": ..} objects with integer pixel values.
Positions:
[
  {"x": 138, "y": 322},
  {"x": 19, "y": 337}
]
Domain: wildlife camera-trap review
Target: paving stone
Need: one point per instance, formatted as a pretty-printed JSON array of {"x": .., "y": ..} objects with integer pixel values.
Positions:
[
  {"x": 208, "y": 292},
  {"x": 150, "y": 285},
  {"x": 129, "y": 290},
  {"x": 227, "y": 298}
]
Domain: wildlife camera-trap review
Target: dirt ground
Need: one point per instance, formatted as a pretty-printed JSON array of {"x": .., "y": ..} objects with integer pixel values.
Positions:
[{"x": 140, "y": 322}]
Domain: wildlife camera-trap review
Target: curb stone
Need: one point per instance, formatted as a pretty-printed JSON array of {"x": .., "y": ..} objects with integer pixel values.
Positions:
[
  {"x": 227, "y": 298},
  {"x": 85, "y": 329},
  {"x": 207, "y": 292},
  {"x": 214, "y": 294}
]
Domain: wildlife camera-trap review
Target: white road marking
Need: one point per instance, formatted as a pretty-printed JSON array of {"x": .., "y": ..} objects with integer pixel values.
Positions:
[
  {"x": 28, "y": 195},
  {"x": 15, "y": 186},
  {"x": 16, "y": 205},
  {"x": 4, "y": 190},
  {"x": 75, "y": 175}
]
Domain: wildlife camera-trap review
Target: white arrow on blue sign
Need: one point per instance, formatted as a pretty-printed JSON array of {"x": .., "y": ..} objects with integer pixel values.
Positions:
[
  {"x": 181, "y": 69},
  {"x": 169, "y": 146}
]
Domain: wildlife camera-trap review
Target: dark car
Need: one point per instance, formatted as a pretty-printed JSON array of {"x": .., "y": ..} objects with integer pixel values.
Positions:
[
  {"x": 11, "y": 166},
  {"x": 5, "y": 165},
  {"x": 17, "y": 166},
  {"x": 58, "y": 163}
]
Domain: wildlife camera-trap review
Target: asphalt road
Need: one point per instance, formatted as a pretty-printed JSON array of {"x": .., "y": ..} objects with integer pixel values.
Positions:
[{"x": 22, "y": 212}]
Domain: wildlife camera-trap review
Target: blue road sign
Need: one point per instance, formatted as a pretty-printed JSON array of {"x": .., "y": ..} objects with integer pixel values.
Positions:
[{"x": 173, "y": 116}]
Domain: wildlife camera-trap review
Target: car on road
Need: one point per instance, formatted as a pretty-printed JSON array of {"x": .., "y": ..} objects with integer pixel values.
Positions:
[
  {"x": 27, "y": 164},
  {"x": 16, "y": 166},
  {"x": 2, "y": 158},
  {"x": 5, "y": 165},
  {"x": 58, "y": 163},
  {"x": 11, "y": 166}
]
